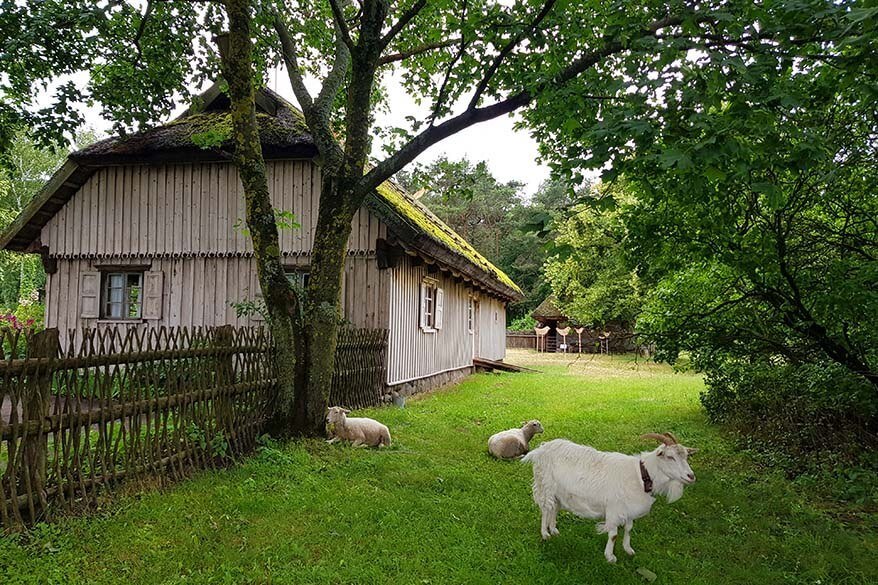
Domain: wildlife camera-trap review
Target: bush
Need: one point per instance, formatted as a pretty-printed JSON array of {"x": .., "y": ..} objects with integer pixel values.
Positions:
[
  {"x": 814, "y": 419},
  {"x": 523, "y": 323}
]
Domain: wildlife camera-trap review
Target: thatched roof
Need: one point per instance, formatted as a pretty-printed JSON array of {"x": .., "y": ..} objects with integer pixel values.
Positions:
[
  {"x": 548, "y": 309},
  {"x": 202, "y": 130},
  {"x": 195, "y": 135}
]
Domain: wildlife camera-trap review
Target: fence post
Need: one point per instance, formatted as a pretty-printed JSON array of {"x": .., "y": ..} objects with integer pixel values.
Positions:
[
  {"x": 225, "y": 376},
  {"x": 44, "y": 344}
]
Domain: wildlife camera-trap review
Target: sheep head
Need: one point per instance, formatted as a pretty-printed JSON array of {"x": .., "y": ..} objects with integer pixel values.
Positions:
[
  {"x": 534, "y": 426},
  {"x": 336, "y": 415}
]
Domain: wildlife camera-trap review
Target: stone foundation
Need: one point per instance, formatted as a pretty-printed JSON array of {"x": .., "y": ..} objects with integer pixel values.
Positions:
[{"x": 426, "y": 384}]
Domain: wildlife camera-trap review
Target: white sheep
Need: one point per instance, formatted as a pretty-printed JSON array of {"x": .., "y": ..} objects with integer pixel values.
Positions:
[
  {"x": 514, "y": 442},
  {"x": 613, "y": 487},
  {"x": 359, "y": 431}
]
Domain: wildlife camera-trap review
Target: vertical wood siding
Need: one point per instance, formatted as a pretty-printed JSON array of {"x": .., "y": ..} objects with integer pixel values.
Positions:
[
  {"x": 180, "y": 219},
  {"x": 413, "y": 353},
  {"x": 200, "y": 291},
  {"x": 188, "y": 210},
  {"x": 492, "y": 333}
]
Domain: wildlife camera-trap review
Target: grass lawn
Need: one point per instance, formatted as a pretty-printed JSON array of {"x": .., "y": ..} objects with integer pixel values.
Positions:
[{"x": 434, "y": 508}]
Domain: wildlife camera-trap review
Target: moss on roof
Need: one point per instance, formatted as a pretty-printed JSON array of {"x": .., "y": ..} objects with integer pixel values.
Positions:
[
  {"x": 548, "y": 309},
  {"x": 212, "y": 128},
  {"x": 428, "y": 223}
]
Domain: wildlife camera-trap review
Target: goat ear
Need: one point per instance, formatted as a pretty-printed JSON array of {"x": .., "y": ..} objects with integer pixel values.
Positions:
[
  {"x": 690, "y": 451},
  {"x": 345, "y": 410}
]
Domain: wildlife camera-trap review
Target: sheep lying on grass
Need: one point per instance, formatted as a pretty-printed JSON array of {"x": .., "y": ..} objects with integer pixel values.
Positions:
[
  {"x": 514, "y": 442},
  {"x": 359, "y": 431},
  {"x": 612, "y": 487}
]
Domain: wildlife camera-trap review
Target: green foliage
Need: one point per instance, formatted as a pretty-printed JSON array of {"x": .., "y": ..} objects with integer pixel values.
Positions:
[
  {"x": 511, "y": 231},
  {"x": 308, "y": 512},
  {"x": 591, "y": 273},
  {"x": 211, "y": 138},
  {"x": 25, "y": 170},
  {"x": 523, "y": 323},
  {"x": 250, "y": 307}
]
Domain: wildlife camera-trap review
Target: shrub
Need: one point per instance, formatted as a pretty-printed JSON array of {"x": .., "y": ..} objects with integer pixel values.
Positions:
[{"x": 809, "y": 419}]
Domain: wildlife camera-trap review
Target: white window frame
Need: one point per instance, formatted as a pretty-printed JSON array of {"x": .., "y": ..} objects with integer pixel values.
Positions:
[{"x": 431, "y": 305}]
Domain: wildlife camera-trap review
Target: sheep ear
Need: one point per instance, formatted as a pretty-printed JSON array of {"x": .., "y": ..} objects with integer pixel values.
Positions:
[
  {"x": 345, "y": 410},
  {"x": 690, "y": 451}
]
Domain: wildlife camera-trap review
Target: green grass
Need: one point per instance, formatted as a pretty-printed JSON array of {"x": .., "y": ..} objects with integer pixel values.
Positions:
[{"x": 434, "y": 508}]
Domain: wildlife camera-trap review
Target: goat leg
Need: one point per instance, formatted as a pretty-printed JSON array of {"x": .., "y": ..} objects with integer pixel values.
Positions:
[
  {"x": 626, "y": 541},
  {"x": 612, "y": 531}
]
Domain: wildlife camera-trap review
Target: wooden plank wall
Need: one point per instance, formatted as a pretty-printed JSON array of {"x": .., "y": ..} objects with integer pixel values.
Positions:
[
  {"x": 199, "y": 291},
  {"x": 492, "y": 335},
  {"x": 413, "y": 353},
  {"x": 188, "y": 210}
]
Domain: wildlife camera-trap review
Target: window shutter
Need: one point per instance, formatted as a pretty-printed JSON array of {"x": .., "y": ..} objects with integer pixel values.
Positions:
[
  {"x": 153, "y": 294},
  {"x": 440, "y": 301},
  {"x": 89, "y": 295},
  {"x": 423, "y": 318}
]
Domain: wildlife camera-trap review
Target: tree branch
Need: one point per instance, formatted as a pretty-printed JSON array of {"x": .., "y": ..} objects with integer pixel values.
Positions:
[
  {"x": 403, "y": 55},
  {"x": 474, "y": 115},
  {"x": 403, "y": 21},
  {"x": 341, "y": 24},
  {"x": 291, "y": 59},
  {"x": 504, "y": 52}
]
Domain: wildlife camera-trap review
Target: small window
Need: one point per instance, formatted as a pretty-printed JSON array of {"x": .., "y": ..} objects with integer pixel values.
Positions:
[
  {"x": 122, "y": 295},
  {"x": 432, "y": 299},
  {"x": 300, "y": 278},
  {"x": 428, "y": 316},
  {"x": 470, "y": 313}
]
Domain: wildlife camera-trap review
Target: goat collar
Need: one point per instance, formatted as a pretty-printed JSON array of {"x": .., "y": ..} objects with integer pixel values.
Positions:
[{"x": 644, "y": 475}]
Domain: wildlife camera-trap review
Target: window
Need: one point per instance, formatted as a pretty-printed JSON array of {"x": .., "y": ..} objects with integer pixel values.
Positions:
[
  {"x": 122, "y": 295},
  {"x": 299, "y": 277},
  {"x": 432, "y": 300},
  {"x": 470, "y": 313}
]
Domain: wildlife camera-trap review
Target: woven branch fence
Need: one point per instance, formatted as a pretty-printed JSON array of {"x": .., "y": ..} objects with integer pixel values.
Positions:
[
  {"x": 142, "y": 403},
  {"x": 360, "y": 368}
]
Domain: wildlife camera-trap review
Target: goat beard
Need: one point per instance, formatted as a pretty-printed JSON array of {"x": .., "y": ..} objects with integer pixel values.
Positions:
[{"x": 673, "y": 490}]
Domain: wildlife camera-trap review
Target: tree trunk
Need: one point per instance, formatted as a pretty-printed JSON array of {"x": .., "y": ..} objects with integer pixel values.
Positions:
[
  {"x": 322, "y": 313},
  {"x": 236, "y": 53}
]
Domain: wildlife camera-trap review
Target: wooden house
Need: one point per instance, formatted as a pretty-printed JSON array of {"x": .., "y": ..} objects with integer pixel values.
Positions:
[{"x": 145, "y": 231}]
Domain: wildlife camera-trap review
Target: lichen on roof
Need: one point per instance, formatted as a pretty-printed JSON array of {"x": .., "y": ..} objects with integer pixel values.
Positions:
[{"x": 435, "y": 228}]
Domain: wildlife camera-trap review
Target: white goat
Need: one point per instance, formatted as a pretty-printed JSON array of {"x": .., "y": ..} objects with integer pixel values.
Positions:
[
  {"x": 514, "y": 442},
  {"x": 359, "y": 431},
  {"x": 613, "y": 487}
]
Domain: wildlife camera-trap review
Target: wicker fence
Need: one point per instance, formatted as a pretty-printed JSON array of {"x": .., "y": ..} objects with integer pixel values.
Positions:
[
  {"x": 360, "y": 368},
  {"x": 139, "y": 404}
]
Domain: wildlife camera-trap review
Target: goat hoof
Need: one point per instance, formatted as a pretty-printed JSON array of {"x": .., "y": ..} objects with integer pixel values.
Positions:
[
  {"x": 554, "y": 531},
  {"x": 545, "y": 535},
  {"x": 611, "y": 559},
  {"x": 630, "y": 551}
]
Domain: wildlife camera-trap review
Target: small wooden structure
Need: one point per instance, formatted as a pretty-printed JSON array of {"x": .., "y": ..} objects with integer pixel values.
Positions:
[{"x": 549, "y": 316}]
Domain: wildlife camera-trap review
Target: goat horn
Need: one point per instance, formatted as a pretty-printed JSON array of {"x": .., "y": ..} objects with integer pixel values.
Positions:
[
  {"x": 660, "y": 438},
  {"x": 672, "y": 437}
]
